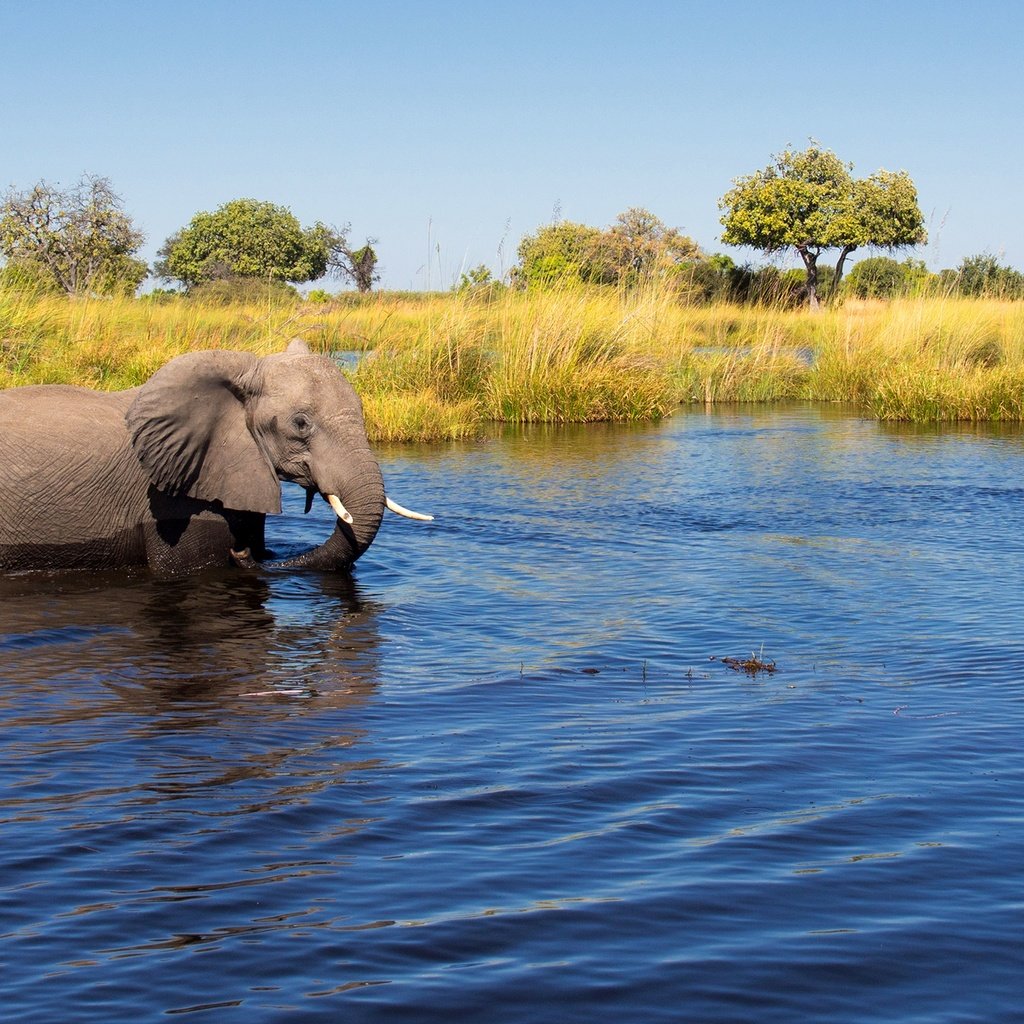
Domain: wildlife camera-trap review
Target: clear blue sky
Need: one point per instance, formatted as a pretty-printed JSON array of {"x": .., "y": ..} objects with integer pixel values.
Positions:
[{"x": 449, "y": 129}]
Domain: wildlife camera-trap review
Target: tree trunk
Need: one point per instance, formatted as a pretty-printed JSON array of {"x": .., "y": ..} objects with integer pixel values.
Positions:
[
  {"x": 846, "y": 250},
  {"x": 811, "y": 265}
]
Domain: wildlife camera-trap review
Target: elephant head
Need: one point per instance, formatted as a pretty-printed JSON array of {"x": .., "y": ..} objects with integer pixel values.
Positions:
[{"x": 227, "y": 427}]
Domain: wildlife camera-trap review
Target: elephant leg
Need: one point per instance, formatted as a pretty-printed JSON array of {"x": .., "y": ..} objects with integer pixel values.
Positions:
[
  {"x": 184, "y": 535},
  {"x": 179, "y": 546}
]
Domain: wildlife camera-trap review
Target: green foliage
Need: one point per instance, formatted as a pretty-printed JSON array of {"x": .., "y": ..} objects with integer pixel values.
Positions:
[
  {"x": 984, "y": 276},
  {"x": 885, "y": 212},
  {"x": 810, "y": 201},
  {"x": 319, "y": 297},
  {"x": 705, "y": 281},
  {"x": 364, "y": 267},
  {"x": 794, "y": 286},
  {"x": 561, "y": 252},
  {"x": 476, "y": 277},
  {"x": 881, "y": 277},
  {"x": 479, "y": 283},
  {"x": 244, "y": 238},
  {"x": 799, "y": 200},
  {"x": 79, "y": 239},
  {"x": 719, "y": 279},
  {"x": 229, "y": 291},
  {"x": 636, "y": 248},
  {"x": 162, "y": 296}
]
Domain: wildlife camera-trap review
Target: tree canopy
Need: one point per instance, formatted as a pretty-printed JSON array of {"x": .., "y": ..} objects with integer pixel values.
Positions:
[
  {"x": 244, "y": 238},
  {"x": 79, "y": 238},
  {"x": 811, "y": 202},
  {"x": 637, "y": 246}
]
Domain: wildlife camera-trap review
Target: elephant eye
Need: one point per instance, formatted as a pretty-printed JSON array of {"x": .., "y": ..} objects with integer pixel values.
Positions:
[{"x": 302, "y": 423}]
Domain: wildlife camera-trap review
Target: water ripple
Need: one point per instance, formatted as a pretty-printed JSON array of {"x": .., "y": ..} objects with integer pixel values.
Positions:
[{"x": 498, "y": 774}]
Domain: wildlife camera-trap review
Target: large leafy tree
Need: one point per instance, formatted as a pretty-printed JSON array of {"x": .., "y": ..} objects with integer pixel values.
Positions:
[
  {"x": 810, "y": 201},
  {"x": 245, "y": 238},
  {"x": 78, "y": 238}
]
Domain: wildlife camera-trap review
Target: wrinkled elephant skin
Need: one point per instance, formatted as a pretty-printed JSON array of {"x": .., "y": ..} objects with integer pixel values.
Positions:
[{"x": 180, "y": 473}]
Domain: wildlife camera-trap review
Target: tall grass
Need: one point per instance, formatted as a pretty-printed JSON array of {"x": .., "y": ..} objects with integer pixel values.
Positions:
[
  {"x": 439, "y": 366},
  {"x": 119, "y": 342},
  {"x": 924, "y": 360}
]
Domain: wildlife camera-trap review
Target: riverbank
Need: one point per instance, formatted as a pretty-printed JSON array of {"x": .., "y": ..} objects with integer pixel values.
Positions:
[{"x": 439, "y": 366}]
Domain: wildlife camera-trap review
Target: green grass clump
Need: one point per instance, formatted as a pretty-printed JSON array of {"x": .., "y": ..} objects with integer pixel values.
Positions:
[
  {"x": 568, "y": 394},
  {"x": 419, "y": 416},
  {"x": 927, "y": 395},
  {"x": 741, "y": 376}
]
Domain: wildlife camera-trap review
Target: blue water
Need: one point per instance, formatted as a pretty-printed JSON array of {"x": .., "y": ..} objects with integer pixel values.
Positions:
[{"x": 498, "y": 777}]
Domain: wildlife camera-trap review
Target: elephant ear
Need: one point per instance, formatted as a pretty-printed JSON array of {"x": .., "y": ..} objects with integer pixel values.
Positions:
[{"x": 188, "y": 428}]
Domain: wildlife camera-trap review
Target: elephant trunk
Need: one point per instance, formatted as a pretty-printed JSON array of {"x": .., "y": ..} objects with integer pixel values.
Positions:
[{"x": 361, "y": 492}]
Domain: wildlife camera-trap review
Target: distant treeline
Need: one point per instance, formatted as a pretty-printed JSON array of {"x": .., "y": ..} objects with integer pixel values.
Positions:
[{"x": 79, "y": 241}]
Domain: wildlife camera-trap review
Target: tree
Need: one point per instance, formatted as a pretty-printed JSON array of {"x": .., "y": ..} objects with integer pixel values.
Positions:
[
  {"x": 478, "y": 282},
  {"x": 359, "y": 266},
  {"x": 559, "y": 252},
  {"x": 244, "y": 238},
  {"x": 80, "y": 238},
  {"x": 636, "y": 247},
  {"x": 640, "y": 245},
  {"x": 810, "y": 201}
]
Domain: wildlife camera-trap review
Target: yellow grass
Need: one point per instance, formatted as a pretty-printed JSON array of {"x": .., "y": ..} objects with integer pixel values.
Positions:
[{"x": 441, "y": 365}]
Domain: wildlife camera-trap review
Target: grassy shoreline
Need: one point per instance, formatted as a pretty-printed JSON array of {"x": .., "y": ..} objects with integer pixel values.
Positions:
[{"x": 441, "y": 366}]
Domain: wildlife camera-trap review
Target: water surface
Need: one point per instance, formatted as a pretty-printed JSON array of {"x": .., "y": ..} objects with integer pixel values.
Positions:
[{"x": 498, "y": 774}]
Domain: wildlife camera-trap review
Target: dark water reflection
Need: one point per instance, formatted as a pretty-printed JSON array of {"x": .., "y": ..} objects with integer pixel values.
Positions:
[{"x": 497, "y": 775}]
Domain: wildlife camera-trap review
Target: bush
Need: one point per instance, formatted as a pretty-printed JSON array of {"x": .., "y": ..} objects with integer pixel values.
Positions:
[
  {"x": 983, "y": 276},
  {"x": 881, "y": 277},
  {"x": 245, "y": 238},
  {"x": 228, "y": 291},
  {"x": 636, "y": 248},
  {"x": 479, "y": 283}
]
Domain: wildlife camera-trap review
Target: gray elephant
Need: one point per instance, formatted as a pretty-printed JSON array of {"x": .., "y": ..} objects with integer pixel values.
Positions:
[{"x": 180, "y": 473}]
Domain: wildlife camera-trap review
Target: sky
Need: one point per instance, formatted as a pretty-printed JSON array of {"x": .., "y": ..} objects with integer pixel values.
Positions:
[{"x": 448, "y": 130}]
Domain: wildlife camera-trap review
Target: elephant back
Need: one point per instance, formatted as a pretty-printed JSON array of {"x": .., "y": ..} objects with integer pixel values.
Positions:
[{"x": 69, "y": 479}]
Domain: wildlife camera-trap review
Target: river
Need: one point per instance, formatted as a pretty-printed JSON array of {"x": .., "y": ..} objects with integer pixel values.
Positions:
[{"x": 503, "y": 774}]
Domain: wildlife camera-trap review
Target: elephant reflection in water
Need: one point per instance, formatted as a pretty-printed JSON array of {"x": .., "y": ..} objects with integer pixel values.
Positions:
[
  {"x": 212, "y": 637},
  {"x": 125, "y": 669}
]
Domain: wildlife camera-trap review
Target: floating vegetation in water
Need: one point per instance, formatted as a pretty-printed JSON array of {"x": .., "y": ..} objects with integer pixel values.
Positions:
[{"x": 751, "y": 666}]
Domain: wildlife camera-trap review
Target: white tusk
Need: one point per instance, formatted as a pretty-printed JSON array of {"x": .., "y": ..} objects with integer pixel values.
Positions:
[
  {"x": 398, "y": 510},
  {"x": 339, "y": 510}
]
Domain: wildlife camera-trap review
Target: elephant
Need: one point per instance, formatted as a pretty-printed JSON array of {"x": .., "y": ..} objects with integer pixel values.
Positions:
[{"x": 180, "y": 473}]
